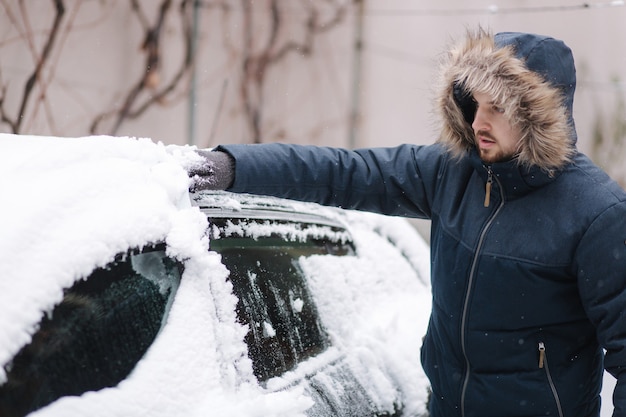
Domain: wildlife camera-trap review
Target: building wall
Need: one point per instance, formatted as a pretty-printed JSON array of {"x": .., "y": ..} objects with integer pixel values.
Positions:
[
  {"x": 295, "y": 75},
  {"x": 257, "y": 77}
]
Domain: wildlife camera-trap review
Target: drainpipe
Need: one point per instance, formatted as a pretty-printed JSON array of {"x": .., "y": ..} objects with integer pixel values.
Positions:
[
  {"x": 357, "y": 58},
  {"x": 191, "y": 105}
]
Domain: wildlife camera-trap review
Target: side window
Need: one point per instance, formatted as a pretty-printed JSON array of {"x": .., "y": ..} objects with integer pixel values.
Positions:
[
  {"x": 274, "y": 300},
  {"x": 96, "y": 335}
]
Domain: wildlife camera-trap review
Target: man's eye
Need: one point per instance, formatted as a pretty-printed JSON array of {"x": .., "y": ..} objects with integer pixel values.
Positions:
[{"x": 498, "y": 109}]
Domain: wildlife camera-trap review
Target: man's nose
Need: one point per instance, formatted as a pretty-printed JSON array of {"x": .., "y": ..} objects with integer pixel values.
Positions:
[{"x": 480, "y": 121}]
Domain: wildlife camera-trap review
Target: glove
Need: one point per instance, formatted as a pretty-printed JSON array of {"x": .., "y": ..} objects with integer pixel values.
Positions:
[{"x": 215, "y": 172}]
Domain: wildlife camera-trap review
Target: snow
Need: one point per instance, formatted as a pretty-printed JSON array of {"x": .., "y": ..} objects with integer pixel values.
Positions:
[
  {"x": 257, "y": 230},
  {"x": 268, "y": 330},
  {"x": 71, "y": 204},
  {"x": 297, "y": 305}
]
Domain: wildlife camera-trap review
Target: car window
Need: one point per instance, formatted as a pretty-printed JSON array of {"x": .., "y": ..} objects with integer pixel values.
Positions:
[
  {"x": 274, "y": 301},
  {"x": 96, "y": 335}
]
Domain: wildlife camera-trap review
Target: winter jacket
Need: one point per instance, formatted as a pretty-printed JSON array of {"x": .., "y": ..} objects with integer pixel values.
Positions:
[{"x": 529, "y": 281}]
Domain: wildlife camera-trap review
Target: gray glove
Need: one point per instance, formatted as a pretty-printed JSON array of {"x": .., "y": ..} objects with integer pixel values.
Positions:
[{"x": 216, "y": 172}]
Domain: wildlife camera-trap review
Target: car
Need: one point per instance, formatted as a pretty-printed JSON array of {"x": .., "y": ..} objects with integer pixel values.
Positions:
[{"x": 122, "y": 293}]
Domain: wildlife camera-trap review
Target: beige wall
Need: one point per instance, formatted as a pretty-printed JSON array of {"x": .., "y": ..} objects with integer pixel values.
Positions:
[
  {"x": 303, "y": 97},
  {"x": 97, "y": 60},
  {"x": 404, "y": 50}
]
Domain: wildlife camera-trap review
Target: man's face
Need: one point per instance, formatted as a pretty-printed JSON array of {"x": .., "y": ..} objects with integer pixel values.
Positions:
[{"x": 496, "y": 139}]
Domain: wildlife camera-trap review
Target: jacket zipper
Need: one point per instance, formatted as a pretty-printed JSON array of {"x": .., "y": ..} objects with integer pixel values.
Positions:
[
  {"x": 481, "y": 240},
  {"x": 488, "y": 186},
  {"x": 543, "y": 364}
]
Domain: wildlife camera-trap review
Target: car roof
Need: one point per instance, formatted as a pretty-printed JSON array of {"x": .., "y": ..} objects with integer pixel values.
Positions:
[{"x": 217, "y": 204}]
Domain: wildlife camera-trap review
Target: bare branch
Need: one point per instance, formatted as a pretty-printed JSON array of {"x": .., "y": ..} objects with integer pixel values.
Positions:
[
  {"x": 150, "y": 78},
  {"x": 36, "y": 75},
  {"x": 186, "y": 65},
  {"x": 255, "y": 66}
]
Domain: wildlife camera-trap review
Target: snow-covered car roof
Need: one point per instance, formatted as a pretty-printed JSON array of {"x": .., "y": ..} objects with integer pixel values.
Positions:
[{"x": 73, "y": 204}]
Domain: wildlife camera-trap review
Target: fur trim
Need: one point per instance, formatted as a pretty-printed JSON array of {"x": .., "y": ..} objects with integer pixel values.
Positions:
[{"x": 529, "y": 101}]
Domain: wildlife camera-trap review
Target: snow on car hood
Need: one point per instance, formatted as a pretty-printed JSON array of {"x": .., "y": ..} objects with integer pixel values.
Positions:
[{"x": 70, "y": 205}]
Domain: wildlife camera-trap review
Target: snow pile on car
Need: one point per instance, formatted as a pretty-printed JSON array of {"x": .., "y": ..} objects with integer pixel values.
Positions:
[{"x": 72, "y": 204}]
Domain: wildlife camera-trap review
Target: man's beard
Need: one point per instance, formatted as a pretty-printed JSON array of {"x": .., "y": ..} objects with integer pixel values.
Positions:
[
  {"x": 493, "y": 154},
  {"x": 490, "y": 157}
]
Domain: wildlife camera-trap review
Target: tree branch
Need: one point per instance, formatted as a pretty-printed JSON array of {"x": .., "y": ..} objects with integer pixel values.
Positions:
[
  {"x": 150, "y": 78},
  {"x": 255, "y": 66},
  {"x": 36, "y": 75}
]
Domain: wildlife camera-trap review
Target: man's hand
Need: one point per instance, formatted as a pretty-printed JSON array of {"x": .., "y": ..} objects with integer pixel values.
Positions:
[{"x": 216, "y": 172}]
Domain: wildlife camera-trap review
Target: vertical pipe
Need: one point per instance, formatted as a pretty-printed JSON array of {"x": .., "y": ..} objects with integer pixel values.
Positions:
[
  {"x": 357, "y": 57},
  {"x": 191, "y": 105}
]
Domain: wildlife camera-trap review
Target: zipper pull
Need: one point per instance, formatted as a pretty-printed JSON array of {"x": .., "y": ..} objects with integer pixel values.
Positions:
[
  {"x": 488, "y": 187},
  {"x": 542, "y": 354}
]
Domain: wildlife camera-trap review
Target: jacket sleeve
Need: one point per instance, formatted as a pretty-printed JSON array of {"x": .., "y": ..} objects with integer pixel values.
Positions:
[
  {"x": 601, "y": 269},
  {"x": 395, "y": 181}
]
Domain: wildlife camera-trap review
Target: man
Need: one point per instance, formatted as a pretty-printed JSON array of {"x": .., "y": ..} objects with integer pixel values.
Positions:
[{"x": 528, "y": 237}]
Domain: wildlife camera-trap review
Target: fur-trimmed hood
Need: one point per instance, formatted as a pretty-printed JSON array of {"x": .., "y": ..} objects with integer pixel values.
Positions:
[{"x": 532, "y": 77}]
